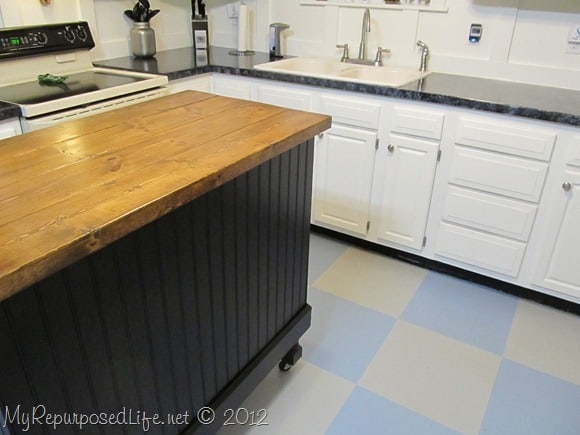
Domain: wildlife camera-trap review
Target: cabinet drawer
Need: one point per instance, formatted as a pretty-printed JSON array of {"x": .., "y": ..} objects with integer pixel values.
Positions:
[
  {"x": 417, "y": 122},
  {"x": 496, "y": 173},
  {"x": 351, "y": 111},
  {"x": 501, "y": 216},
  {"x": 231, "y": 87},
  {"x": 574, "y": 155},
  {"x": 285, "y": 97},
  {"x": 507, "y": 137},
  {"x": 480, "y": 249}
]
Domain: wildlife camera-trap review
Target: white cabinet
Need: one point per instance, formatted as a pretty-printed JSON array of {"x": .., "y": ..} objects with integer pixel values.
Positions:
[
  {"x": 494, "y": 184},
  {"x": 343, "y": 178},
  {"x": 558, "y": 268},
  {"x": 235, "y": 87},
  {"x": 202, "y": 83},
  {"x": 344, "y": 160},
  {"x": 284, "y": 96},
  {"x": 406, "y": 177},
  {"x": 9, "y": 128}
]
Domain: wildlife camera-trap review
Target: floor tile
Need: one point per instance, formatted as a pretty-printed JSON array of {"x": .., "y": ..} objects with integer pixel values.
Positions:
[
  {"x": 367, "y": 413},
  {"x": 547, "y": 340},
  {"x": 439, "y": 377},
  {"x": 525, "y": 401},
  {"x": 372, "y": 280},
  {"x": 323, "y": 252},
  {"x": 344, "y": 336},
  {"x": 302, "y": 401},
  {"x": 463, "y": 310}
]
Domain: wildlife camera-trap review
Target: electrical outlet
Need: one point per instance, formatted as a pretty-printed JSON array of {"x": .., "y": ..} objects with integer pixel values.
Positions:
[
  {"x": 233, "y": 10},
  {"x": 573, "y": 42}
]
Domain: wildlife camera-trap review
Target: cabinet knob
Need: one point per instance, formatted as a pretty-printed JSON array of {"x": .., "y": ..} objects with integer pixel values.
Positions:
[
  {"x": 567, "y": 186},
  {"x": 391, "y": 147},
  {"x": 320, "y": 135}
]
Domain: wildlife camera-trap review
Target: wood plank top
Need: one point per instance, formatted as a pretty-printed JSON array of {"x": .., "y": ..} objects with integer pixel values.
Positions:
[{"x": 69, "y": 190}]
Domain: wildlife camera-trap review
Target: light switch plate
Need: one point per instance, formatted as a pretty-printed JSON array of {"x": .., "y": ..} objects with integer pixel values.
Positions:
[
  {"x": 573, "y": 43},
  {"x": 233, "y": 10}
]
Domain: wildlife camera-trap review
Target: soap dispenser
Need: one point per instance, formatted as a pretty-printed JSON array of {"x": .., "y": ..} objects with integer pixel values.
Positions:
[{"x": 275, "y": 45}]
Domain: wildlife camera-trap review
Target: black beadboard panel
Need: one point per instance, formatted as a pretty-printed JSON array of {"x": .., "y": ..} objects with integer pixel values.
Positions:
[{"x": 165, "y": 319}]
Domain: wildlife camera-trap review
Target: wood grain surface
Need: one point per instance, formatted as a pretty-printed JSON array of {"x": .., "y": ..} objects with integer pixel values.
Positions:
[{"x": 69, "y": 190}]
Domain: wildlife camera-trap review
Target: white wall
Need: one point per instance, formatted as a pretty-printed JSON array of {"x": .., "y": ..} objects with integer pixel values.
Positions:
[
  {"x": 523, "y": 40},
  {"x": 109, "y": 25}
]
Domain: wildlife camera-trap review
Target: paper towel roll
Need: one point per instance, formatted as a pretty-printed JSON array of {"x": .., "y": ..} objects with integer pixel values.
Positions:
[{"x": 243, "y": 27}]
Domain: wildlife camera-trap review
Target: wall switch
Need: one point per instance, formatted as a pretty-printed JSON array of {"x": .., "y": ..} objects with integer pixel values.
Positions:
[
  {"x": 233, "y": 10},
  {"x": 573, "y": 42},
  {"x": 475, "y": 32}
]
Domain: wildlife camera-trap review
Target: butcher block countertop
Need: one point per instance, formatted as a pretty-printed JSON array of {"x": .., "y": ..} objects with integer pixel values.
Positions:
[{"x": 69, "y": 190}]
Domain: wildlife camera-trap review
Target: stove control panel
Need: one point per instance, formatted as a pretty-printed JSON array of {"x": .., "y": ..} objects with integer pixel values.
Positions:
[{"x": 42, "y": 39}]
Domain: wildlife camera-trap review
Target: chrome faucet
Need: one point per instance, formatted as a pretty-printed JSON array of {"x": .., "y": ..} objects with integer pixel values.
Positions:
[
  {"x": 424, "y": 55},
  {"x": 366, "y": 28}
]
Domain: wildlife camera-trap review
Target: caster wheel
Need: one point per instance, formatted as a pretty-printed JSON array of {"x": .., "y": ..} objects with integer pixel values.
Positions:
[
  {"x": 284, "y": 366},
  {"x": 291, "y": 357}
]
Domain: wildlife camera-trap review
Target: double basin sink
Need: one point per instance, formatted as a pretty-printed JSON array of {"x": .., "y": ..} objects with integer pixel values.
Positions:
[{"x": 336, "y": 70}]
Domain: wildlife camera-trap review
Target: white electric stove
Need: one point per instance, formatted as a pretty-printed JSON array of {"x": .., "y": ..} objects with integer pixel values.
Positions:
[{"x": 62, "y": 50}]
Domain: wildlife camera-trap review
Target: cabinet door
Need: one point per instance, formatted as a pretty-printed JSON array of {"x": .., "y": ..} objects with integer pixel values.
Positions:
[
  {"x": 9, "y": 128},
  {"x": 343, "y": 178},
  {"x": 407, "y": 183},
  {"x": 558, "y": 267}
]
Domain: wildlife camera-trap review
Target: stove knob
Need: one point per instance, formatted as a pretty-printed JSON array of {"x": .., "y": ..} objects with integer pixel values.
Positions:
[
  {"x": 69, "y": 35},
  {"x": 41, "y": 38},
  {"x": 82, "y": 33}
]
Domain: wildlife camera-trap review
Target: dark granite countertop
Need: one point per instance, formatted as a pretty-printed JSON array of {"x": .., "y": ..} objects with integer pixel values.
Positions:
[
  {"x": 8, "y": 111},
  {"x": 519, "y": 99}
]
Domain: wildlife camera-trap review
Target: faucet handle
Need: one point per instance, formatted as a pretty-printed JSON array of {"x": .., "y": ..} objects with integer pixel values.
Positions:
[
  {"x": 344, "y": 47},
  {"x": 424, "y": 55},
  {"x": 379, "y": 57}
]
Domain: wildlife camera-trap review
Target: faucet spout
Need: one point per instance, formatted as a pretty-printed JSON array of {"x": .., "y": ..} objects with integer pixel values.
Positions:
[
  {"x": 366, "y": 28},
  {"x": 424, "y": 55}
]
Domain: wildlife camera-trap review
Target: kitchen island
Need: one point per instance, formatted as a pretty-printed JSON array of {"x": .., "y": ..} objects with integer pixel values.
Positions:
[{"x": 153, "y": 260}]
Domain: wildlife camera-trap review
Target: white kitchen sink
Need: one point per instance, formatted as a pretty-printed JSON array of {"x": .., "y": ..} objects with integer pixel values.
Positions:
[{"x": 336, "y": 70}]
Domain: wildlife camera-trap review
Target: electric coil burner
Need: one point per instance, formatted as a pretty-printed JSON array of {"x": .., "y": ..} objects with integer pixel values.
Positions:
[{"x": 72, "y": 86}]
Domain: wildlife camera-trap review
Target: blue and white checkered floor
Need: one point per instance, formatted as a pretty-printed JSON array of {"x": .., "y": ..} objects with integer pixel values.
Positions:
[{"x": 396, "y": 349}]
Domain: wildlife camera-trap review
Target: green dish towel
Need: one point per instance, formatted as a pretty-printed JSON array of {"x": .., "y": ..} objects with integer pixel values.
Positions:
[{"x": 51, "y": 80}]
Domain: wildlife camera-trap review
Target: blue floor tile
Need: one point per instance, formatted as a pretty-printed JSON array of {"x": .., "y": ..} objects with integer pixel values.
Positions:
[
  {"x": 525, "y": 401},
  {"x": 468, "y": 312},
  {"x": 344, "y": 336},
  {"x": 367, "y": 413},
  {"x": 323, "y": 252}
]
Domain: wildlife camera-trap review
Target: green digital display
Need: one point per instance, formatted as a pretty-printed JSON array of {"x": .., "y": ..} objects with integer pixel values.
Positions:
[{"x": 15, "y": 41}]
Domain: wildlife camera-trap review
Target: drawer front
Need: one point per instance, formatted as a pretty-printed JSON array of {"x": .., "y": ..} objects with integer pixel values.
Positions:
[
  {"x": 574, "y": 155},
  {"x": 496, "y": 173},
  {"x": 490, "y": 213},
  {"x": 351, "y": 112},
  {"x": 231, "y": 87},
  {"x": 507, "y": 137},
  {"x": 480, "y": 249},
  {"x": 417, "y": 122},
  {"x": 284, "y": 97}
]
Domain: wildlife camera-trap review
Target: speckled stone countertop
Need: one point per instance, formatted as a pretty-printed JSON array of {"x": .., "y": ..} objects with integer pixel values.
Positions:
[
  {"x": 8, "y": 111},
  {"x": 524, "y": 100}
]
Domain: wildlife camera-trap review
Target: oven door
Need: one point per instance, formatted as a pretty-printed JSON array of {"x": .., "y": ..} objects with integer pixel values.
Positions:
[{"x": 38, "y": 122}]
